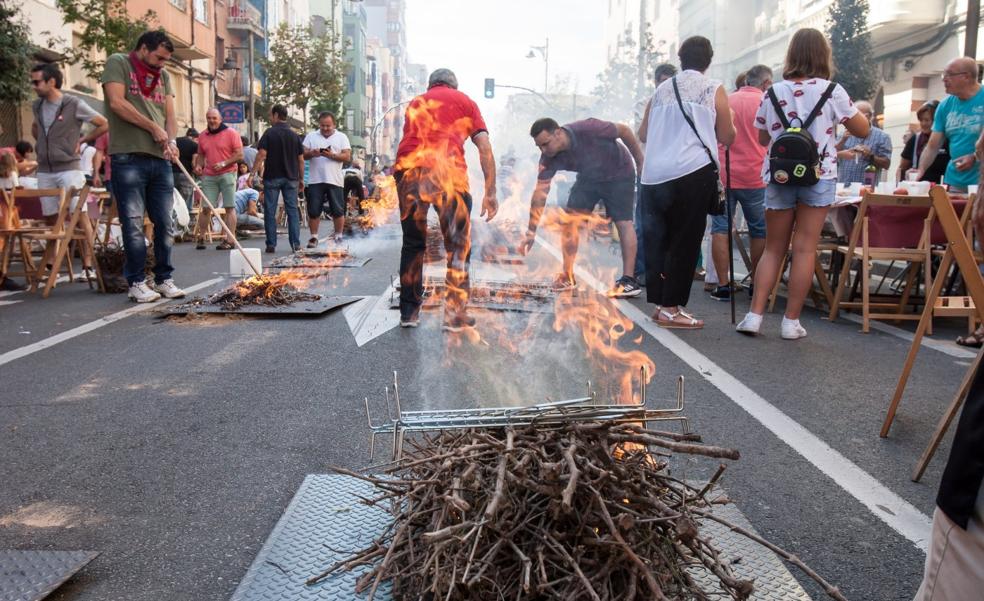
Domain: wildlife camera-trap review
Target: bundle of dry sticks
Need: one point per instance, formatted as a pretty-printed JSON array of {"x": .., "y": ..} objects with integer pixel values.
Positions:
[{"x": 575, "y": 511}]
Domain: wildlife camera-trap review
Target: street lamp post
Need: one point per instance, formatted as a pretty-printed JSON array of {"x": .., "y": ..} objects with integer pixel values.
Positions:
[
  {"x": 382, "y": 119},
  {"x": 544, "y": 52}
]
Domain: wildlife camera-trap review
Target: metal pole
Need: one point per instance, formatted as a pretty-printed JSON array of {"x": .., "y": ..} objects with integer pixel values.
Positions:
[
  {"x": 252, "y": 105},
  {"x": 731, "y": 246},
  {"x": 546, "y": 65},
  {"x": 973, "y": 24}
]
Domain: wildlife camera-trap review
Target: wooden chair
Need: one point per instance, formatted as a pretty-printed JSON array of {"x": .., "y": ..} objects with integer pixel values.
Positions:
[
  {"x": 72, "y": 226},
  {"x": 203, "y": 231},
  {"x": 864, "y": 246},
  {"x": 12, "y": 244},
  {"x": 823, "y": 297}
]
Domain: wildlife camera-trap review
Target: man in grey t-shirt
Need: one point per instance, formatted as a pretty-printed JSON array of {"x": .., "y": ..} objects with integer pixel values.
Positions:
[{"x": 57, "y": 127}]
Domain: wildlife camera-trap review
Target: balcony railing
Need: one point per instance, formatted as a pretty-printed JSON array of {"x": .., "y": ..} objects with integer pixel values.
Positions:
[{"x": 243, "y": 15}]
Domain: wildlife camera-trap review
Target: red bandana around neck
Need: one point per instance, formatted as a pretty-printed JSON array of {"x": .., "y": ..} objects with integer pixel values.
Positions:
[{"x": 147, "y": 76}]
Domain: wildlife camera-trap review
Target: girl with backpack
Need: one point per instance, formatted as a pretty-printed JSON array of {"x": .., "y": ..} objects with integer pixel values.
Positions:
[{"x": 796, "y": 121}]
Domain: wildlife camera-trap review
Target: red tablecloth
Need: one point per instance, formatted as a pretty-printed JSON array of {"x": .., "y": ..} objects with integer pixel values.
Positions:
[{"x": 901, "y": 227}]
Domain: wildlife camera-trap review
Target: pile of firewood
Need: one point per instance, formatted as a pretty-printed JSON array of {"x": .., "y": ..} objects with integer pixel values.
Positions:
[
  {"x": 577, "y": 511},
  {"x": 111, "y": 258}
]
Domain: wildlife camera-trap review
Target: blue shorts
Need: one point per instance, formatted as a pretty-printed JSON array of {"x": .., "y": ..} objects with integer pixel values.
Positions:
[
  {"x": 821, "y": 194},
  {"x": 752, "y": 207}
]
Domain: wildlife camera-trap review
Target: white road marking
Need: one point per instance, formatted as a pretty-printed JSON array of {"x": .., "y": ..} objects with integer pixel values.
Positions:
[
  {"x": 896, "y": 512},
  {"x": 13, "y": 302},
  {"x": 59, "y": 280},
  {"x": 372, "y": 317},
  {"x": 92, "y": 325}
]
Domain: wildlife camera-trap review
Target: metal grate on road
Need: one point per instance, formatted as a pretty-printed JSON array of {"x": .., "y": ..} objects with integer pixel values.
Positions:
[
  {"x": 33, "y": 575},
  {"x": 325, "y": 522}
]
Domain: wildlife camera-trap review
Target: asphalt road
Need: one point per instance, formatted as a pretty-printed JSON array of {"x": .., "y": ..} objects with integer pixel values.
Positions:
[{"x": 172, "y": 446}]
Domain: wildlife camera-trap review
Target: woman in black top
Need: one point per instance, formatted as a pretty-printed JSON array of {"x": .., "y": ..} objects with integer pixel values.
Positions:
[{"x": 915, "y": 144}]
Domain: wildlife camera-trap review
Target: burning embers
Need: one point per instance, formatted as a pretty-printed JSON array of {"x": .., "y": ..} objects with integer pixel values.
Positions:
[
  {"x": 319, "y": 259},
  {"x": 268, "y": 290}
]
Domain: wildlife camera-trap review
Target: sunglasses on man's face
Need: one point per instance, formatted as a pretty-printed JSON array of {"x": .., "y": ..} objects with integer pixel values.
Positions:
[{"x": 35, "y": 82}]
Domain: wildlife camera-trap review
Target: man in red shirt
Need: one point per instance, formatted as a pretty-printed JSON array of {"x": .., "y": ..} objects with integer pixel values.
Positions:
[
  {"x": 747, "y": 185},
  {"x": 430, "y": 170},
  {"x": 219, "y": 151}
]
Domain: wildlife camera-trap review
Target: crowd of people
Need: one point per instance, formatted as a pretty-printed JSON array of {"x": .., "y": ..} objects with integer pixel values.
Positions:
[{"x": 775, "y": 146}]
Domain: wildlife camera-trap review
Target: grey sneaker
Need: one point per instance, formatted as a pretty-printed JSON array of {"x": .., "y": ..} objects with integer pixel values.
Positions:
[
  {"x": 562, "y": 283},
  {"x": 141, "y": 293},
  {"x": 167, "y": 289}
]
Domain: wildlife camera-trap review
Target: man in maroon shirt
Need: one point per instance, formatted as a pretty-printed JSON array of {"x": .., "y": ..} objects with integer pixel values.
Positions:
[
  {"x": 430, "y": 171},
  {"x": 605, "y": 173}
]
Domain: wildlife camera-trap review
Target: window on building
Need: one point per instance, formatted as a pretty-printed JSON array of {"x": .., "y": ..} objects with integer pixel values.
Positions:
[
  {"x": 201, "y": 11},
  {"x": 181, "y": 5},
  {"x": 220, "y": 54}
]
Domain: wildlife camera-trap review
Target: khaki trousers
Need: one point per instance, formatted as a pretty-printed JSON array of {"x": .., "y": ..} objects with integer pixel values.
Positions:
[{"x": 955, "y": 562}]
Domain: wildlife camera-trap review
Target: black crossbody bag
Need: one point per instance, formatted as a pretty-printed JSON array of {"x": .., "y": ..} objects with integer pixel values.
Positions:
[{"x": 718, "y": 207}]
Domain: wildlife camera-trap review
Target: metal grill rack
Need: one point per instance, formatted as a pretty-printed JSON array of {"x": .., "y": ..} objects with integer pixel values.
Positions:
[
  {"x": 398, "y": 423},
  {"x": 517, "y": 295}
]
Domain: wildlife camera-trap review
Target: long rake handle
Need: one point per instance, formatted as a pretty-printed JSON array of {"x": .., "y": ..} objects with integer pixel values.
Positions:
[{"x": 225, "y": 227}]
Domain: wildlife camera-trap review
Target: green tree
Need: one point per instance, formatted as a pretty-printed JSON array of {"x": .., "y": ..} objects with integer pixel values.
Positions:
[
  {"x": 847, "y": 28},
  {"x": 106, "y": 28},
  {"x": 617, "y": 90},
  {"x": 15, "y": 54},
  {"x": 304, "y": 69}
]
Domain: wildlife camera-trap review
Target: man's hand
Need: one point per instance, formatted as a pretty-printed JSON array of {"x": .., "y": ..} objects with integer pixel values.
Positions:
[
  {"x": 197, "y": 170},
  {"x": 160, "y": 136},
  {"x": 964, "y": 163},
  {"x": 979, "y": 148},
  {"x": 170, "y": 151},
  {"x": 490, "y": 206},
  {"x": 862, "y": 150},
  {"x": 97, "y": 181},
  {"x": 527, "y": 243}
]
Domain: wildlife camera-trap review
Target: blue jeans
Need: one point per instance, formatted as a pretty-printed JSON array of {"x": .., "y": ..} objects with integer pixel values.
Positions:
[
  {"x": 752, "y": 202},
  {"x": 272, "y": 189},
  {"x": 144, "y": 183}
]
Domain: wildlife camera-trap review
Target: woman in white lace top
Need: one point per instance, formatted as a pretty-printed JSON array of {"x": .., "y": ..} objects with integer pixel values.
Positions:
[{"x": 686, "y": 119}]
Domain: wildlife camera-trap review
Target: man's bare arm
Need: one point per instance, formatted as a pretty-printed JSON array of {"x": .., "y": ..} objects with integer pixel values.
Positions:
[
  {"x": 101, "y": 127},
  {"x": 537, "y": 204},
  {"x": 644, "y": 125},
  {"x": 632, "y": 143},
  {"x": 490, "y": 205},
  {"x": 258, "y": 163}
]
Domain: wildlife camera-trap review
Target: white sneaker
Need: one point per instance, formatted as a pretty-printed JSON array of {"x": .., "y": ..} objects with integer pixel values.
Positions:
[
  {"x": 791, "y": 329},
  {"x": 750, "y": 325},
  {"x": 142, "y": 293},
  {"x": 168, "y": 289}
]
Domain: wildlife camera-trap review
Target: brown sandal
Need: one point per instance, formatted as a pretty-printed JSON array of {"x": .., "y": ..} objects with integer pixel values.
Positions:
[{"x": 975, "y": 340}]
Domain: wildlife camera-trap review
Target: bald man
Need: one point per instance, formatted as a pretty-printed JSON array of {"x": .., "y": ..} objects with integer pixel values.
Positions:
[
  {"x": 855, "y": 155},
  {"x": 219, "y": 151},
  {"x": 960, "y": 120}
]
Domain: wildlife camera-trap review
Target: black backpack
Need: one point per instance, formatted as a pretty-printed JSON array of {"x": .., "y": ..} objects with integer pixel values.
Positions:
[{"x": 794, "y": 159}]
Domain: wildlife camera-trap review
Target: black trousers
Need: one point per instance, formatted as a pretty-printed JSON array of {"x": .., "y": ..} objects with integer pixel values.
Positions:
[
  {"x": 674, "y": 216},
  {"x": 454, "y": 215}
]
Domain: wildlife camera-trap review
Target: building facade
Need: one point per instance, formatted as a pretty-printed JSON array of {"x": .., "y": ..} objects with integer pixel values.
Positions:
[
  {"x": 356, "y": 102},
  {"x": 912, "y": 42}
]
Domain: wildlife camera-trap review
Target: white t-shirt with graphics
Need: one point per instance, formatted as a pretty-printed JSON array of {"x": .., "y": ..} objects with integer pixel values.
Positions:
[
  {"x": 322, "y": 169},
  {"x": 797, "y": 99}
]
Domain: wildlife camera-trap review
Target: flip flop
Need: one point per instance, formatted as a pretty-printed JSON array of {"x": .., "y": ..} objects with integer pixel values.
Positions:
[{"x": 672, "y": 324}]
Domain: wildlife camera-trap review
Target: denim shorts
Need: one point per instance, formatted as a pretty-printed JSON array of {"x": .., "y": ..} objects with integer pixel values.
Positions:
[
  {"x": 818, "y": 195},
  {"x": 752, "y": 203}
]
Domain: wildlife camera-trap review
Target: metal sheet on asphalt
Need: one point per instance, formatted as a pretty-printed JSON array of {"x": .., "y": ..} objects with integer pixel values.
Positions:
[
  {"x": 33, "y": 575},
  {"x": 326, "y": 511},
  {"x": 306, "y": 308},
  {"x": 291, "y": 262}
]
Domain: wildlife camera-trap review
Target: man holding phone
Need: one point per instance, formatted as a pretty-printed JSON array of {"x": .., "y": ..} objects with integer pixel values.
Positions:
[{"x": 327, "y": 149}]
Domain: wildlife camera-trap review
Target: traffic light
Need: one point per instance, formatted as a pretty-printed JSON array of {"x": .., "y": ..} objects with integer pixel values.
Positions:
[{"x": 489, "y": 87}]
